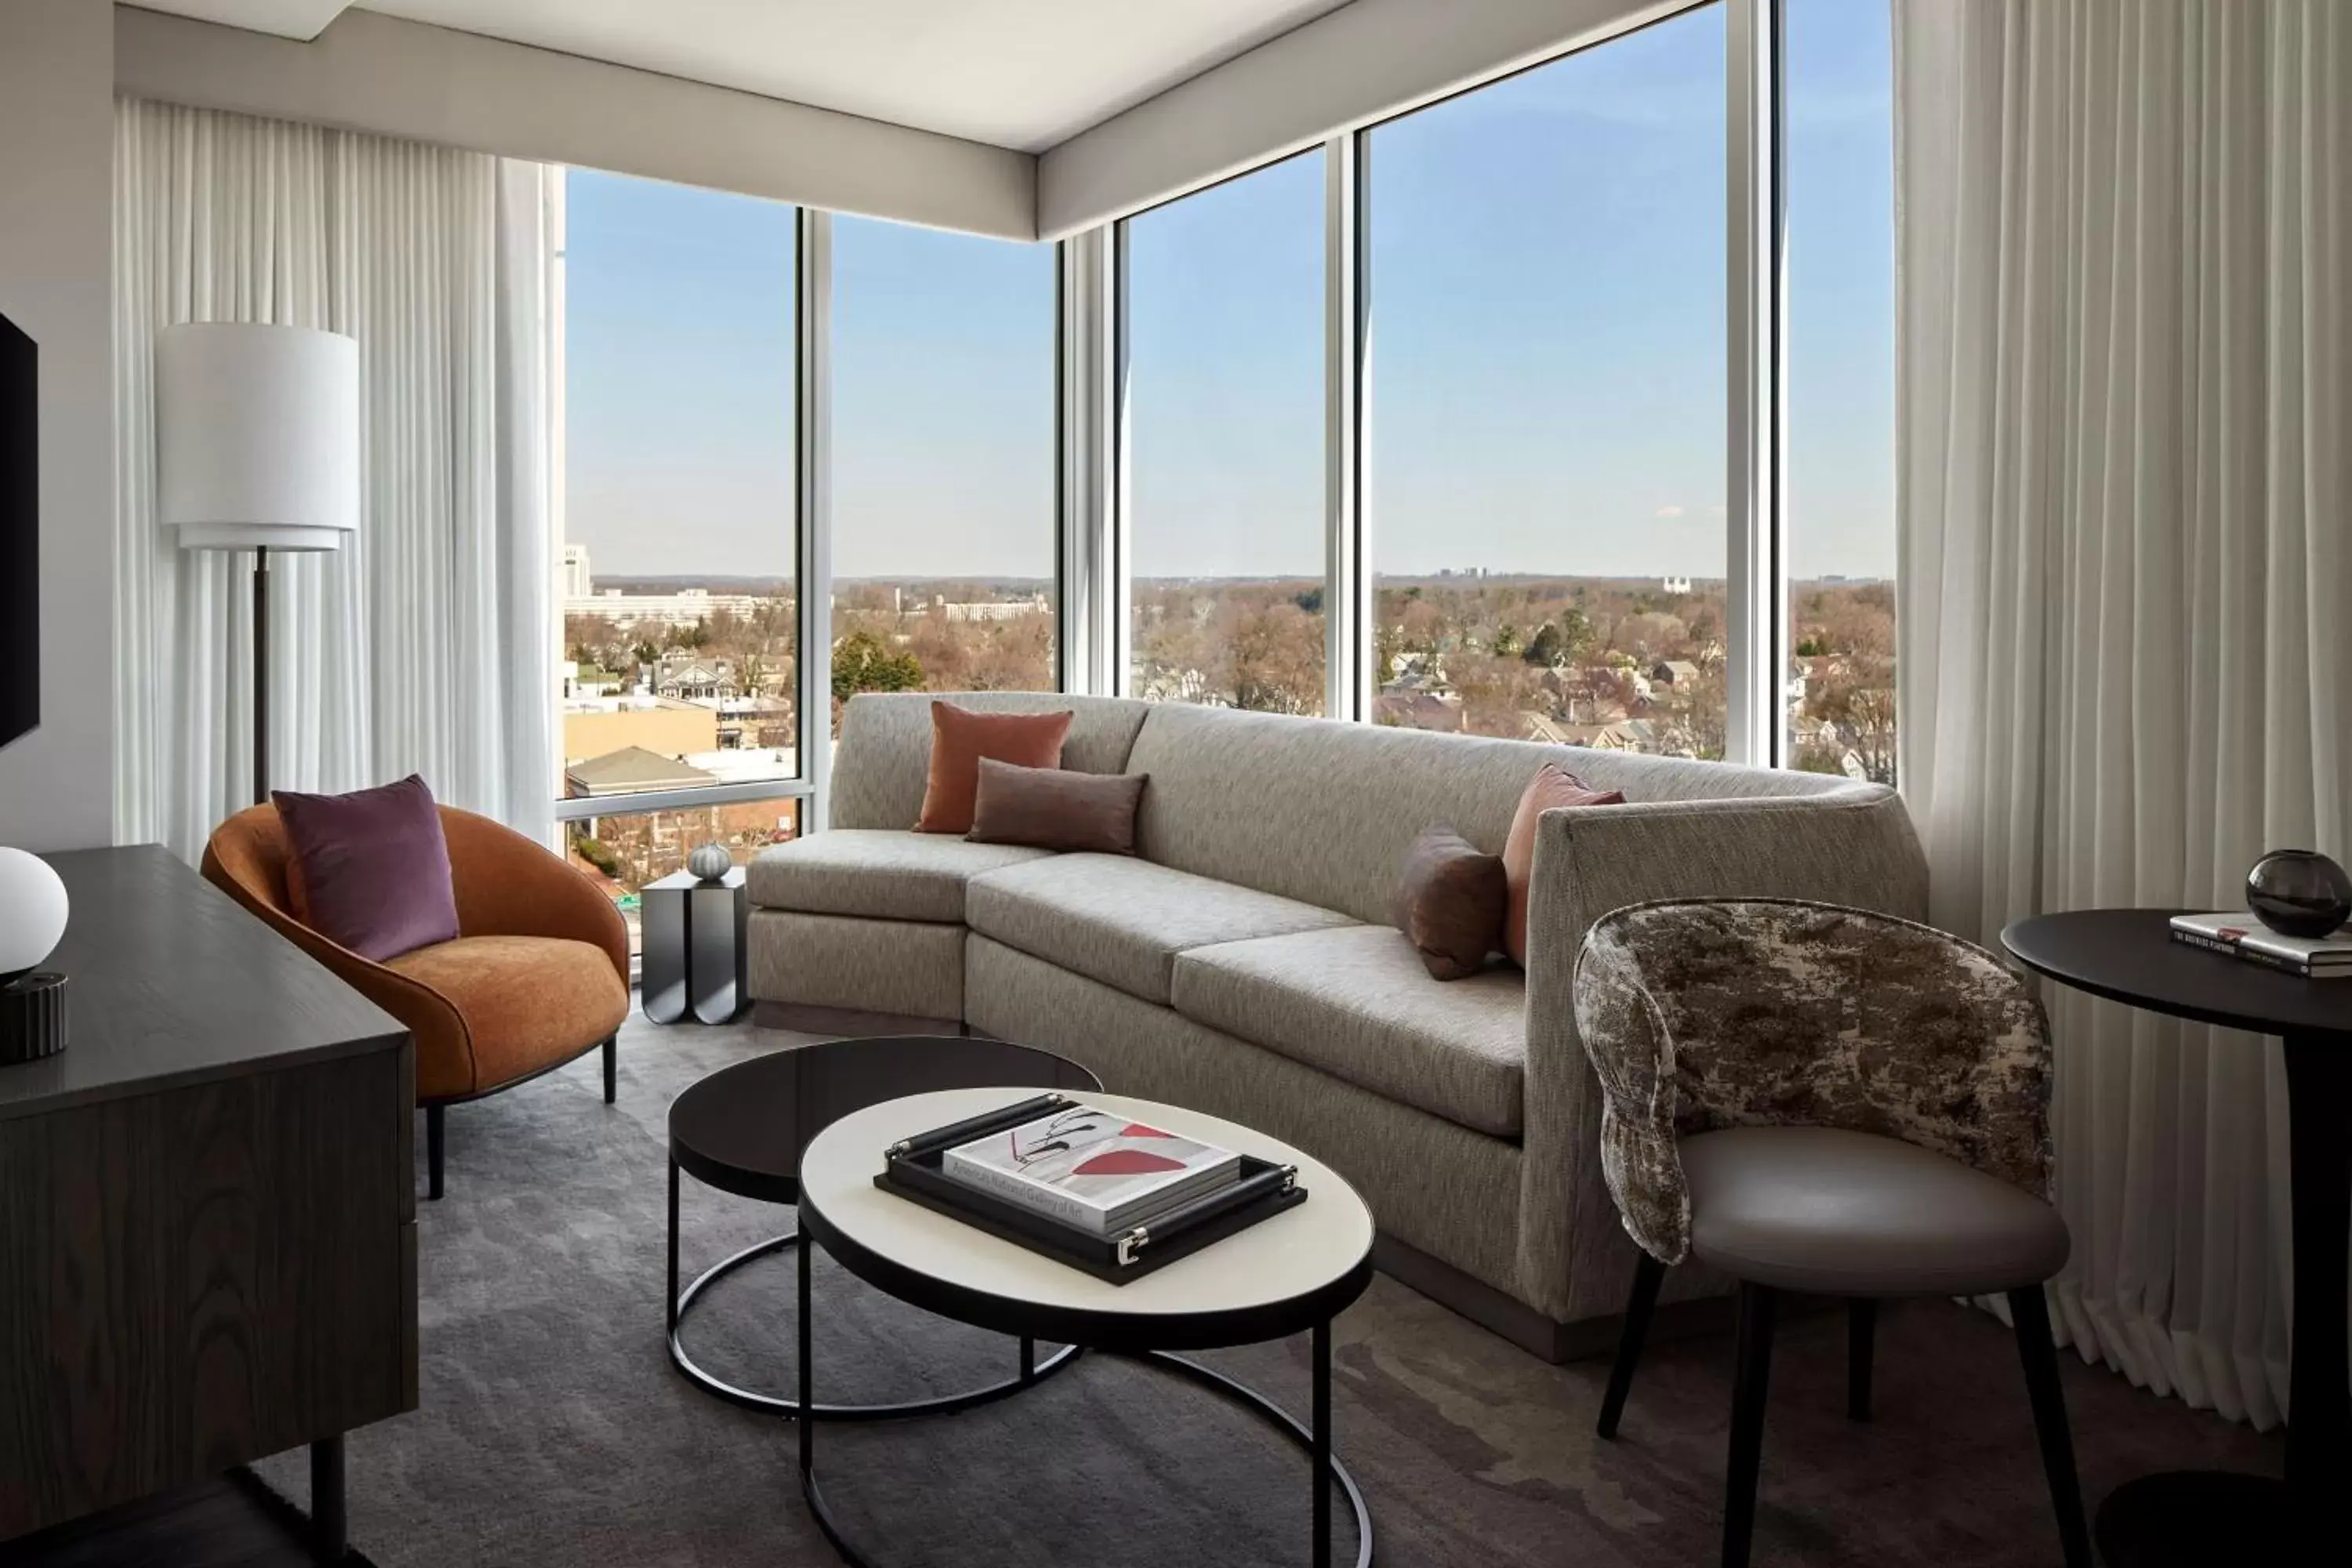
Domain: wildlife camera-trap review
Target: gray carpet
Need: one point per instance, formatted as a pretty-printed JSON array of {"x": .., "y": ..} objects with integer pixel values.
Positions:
[{"x": 553, "y": 1430}]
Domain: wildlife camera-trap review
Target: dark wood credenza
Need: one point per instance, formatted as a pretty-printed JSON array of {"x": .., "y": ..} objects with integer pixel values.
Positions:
[{"x": 207, "y": 1211}]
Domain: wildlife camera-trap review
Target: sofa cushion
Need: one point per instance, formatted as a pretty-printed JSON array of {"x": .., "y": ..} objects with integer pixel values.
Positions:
[
  {"x": 1449, "y": 902},
  {"x": 1358, "y": 1004},
  {"x": 370, "y": 870},
  {"x": 882, "y": 764},
  {"x": 1055, "y": 808},
  {"x": 1123, "y": 921},
  {"x": 961, "y": 739},
  {"x": 877, "y": 872},
  {"x": 526, "y": 1001}
]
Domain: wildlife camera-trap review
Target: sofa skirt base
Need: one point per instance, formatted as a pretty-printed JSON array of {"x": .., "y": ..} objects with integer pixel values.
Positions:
[
  {"x": 851, "y": 963},
  {"x": 852, "y": 1022}
]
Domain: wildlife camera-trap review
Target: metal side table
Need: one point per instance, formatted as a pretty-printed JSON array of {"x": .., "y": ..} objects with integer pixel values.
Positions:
[{"x": 695, "y": 947}]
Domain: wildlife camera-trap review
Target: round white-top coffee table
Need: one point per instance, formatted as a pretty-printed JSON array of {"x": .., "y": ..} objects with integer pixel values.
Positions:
[{"x": 1289, "y": 1274}]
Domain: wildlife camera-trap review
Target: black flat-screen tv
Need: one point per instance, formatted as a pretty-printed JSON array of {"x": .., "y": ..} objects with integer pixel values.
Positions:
[{"x": 20, "y": 535}]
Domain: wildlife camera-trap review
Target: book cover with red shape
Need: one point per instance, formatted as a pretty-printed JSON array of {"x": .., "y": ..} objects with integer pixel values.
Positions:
[{"x": 1092, "y": 1168}]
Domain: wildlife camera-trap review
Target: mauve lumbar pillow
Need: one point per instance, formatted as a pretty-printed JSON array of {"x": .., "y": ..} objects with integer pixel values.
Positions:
[
  {"x": 1053, "y": 809},
  {"x": 370, "y": 869},
  {"x": 1552, "y": 787},
  {"x": 1449, "y": 902},
  {"x": 961, "y": 738}
]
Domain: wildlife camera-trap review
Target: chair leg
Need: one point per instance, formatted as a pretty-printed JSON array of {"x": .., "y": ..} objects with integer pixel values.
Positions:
[
  {"x": 611, "y": 1067},
  {"x": 1758, "y": 1307},
  {"x": 2030, "y": 1311},
  {"x": 1861, "y": 1333},
  {"x": 1648, "y": 1275},
  {"x": 433, "y": 1150}
]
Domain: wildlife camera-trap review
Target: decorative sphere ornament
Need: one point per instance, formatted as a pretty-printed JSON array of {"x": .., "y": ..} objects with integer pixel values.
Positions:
[
  {"x": 32, "y": 911},
  {"x": 710, "y": 862},
  {"x": 2299, "y": 892}
]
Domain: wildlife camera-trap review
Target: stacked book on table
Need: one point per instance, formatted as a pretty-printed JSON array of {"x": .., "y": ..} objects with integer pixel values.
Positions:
[
  {"x": 1090, "y": 1187},
  {"x": 2238, "y": 933},
  {"x": 1092, "y": 1169}
]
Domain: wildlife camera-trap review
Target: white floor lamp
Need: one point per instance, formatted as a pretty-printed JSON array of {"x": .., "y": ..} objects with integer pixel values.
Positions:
[{"x": 257, "y": 436}]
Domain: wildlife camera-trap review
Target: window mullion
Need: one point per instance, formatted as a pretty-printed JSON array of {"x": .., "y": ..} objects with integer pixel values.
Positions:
[
  {"x": 813, "y": 502},
  {"x": 1117, "y": 449},
  {"x": 1346, "y": 571},
  {"x": 1756, "y": 598}
]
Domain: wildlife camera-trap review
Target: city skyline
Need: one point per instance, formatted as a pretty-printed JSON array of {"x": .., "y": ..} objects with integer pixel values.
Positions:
[{"x": 1583, "y": 438}]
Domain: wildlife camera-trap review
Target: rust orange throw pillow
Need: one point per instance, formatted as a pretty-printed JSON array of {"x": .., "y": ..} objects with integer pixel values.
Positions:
[
  {"x": 961, "y": 738},
  {"x": 1552, "y": 787}
]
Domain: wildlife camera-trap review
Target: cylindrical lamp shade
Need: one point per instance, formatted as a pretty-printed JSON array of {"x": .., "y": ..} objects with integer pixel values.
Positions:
[{"x": 257, "y": 436}]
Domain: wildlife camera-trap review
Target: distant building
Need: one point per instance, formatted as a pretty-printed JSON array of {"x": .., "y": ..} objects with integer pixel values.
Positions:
[
  {"x": 597, "y": 726},
  {"x": 682, "y": 675},
  {"x": 1414, "y": 709},
  {"x": 1673, "y": 585},
  {"x": 631, "y": 770},
  {"x": 1680, "y": 672},
  {"x": 971, "y": 610},
  {"x": 573, "y": 579},
  {"x": 686, "y": 607}
]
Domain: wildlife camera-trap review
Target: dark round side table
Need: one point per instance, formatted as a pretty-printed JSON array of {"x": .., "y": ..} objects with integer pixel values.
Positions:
[
  {"x": 2207, "y": 1516},
  {"x": 744, "y": 1128}
]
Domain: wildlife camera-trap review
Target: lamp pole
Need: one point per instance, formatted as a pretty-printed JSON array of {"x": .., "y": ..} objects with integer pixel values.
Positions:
[{"x": 260, "y": 675}]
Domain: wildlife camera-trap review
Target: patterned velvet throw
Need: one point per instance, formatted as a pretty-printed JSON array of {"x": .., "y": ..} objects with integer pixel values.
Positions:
[
  {"x": 1053, "y": 809},
  {"x": 370, "y": 869},
  {"x": 1700, "y": 1016},
  {"x": 1449, "y": 902},
  {"x": 961, "y": 738}
]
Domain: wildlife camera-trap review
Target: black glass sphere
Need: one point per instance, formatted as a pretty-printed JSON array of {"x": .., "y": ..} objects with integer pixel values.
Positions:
[{"x": 2299, "y": 892}]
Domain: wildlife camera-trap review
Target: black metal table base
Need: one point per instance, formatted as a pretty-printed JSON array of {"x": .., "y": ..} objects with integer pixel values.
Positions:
[
  {"x": 681, "y": 1302},
  {"x": 1313, "y": 1435}
]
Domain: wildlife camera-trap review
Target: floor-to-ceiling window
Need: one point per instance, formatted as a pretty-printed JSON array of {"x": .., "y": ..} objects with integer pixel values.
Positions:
[
  {"x": 1223, "y": 443},
  {"x": 1840, "y": 696},
  {"x": 943, "y": 492},
  {"x": 673, "y": 495},
  {"x": 1545, "y": 400}
]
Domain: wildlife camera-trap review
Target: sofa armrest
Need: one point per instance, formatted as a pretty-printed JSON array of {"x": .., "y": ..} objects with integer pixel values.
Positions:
[
  {"x": 1854, "y": 846},
  {"x": 510, "y": 885}
]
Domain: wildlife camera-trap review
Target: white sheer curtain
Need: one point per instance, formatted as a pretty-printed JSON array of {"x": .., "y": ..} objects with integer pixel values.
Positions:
[
  {"x": 424, "y": 645},
  {"x": 2126, "y": 591}
]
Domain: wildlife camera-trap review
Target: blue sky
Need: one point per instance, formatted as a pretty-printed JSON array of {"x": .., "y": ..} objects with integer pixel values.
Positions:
[{"x": 1547, "y": 386}]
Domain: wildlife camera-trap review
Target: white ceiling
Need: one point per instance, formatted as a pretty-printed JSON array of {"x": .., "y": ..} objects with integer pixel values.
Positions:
[
  {"x": 1025, "y": 74},
  {"x": 287, "y": 18}
]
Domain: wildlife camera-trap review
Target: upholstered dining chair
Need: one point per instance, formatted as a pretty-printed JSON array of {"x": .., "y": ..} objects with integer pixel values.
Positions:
[
  {"x": 1827, "y": 1102},
  {"x": 538, "y": 975}
]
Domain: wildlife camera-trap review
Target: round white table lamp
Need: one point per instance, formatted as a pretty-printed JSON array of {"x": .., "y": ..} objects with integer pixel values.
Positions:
[
  {"x": 32, "y": 912},
  {"x": 257, "y": 447},
  {"x": 32, "y": 919}
]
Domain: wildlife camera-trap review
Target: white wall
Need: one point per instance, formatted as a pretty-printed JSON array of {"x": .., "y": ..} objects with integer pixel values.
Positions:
[
  {"x": 1361, "y": 63},
  {"x": 57, "y": 163},
  {"x": 370, "y": 72}
]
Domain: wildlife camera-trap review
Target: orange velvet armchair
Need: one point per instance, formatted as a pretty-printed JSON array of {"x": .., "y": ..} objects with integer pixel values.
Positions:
[{"x": 538, "y": 976}]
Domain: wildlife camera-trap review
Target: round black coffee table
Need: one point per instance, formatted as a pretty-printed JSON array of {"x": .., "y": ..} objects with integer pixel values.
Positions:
[
  {"x": 2211, "y": 1515},
  {"x": 743, "y": 1128}
]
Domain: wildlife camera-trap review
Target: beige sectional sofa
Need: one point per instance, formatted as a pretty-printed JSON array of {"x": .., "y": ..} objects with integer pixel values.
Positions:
[{"x": 1242, "y": 963}]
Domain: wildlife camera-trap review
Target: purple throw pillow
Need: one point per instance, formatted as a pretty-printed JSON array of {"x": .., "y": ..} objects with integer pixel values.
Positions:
[{"x": 370, "y": 869}]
